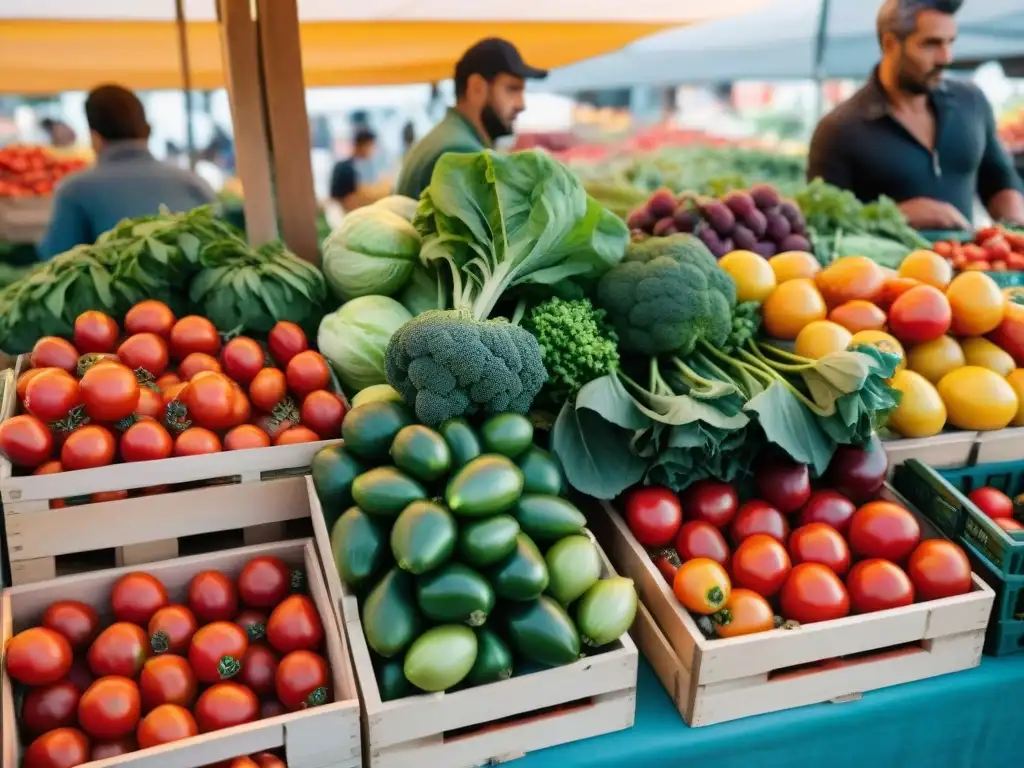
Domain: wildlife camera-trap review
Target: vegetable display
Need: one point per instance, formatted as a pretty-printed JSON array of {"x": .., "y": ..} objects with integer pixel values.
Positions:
[
  {"x": 27, "y": 171},
  {"x": 993, "y": 249}
]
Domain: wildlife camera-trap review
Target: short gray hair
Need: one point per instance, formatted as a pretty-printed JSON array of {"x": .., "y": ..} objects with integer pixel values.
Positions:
[{"x": 900, "y": 16}]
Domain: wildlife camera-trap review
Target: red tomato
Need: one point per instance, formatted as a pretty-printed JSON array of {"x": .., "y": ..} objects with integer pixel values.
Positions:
[
  {"x": 323, "y": 411},
  {"x": 151, "y": 404},
  {"x": 171, "y": 629},
  {"x": 165, "y": 724},
  {"x": 991, "y": 501},
  {"x": 760, "y": 563},
  {"x": 1008, "y": 524},
  {"x": 54, "y": 352},
  {"x": 49, "y": 468},
  {"x": 146, "y": 441},
  {"x": 77, "y": 621},
  {"x": 812, "y": 593},
  {"x": 80, "y": 674},
  {"x": 50, "y": 706},
  {"x": 149, "y": 316},
  {"x": 110, "y": 392},
  {"x": 195, "y": 441},
  {"x": 307, "y": 372},
  {"x": 136, "y": 597},
  {"x": 243, "y": 358},
  {"x": 654, "y": 515},
  {"x": 60, "y": 748},
  {"x": 783, "y": 483},
  {"x": 294, "y": 435},
  {"x": 921, "y": 314},
  {"x": 211, "y": 401},
  {"x": 95, "y": 332},
  {"x": 877, "y": 585},
  {"x": 217, "y": 650},
  {"x": 167, "y": 679},
  {"x": 939, "y": 568},
  {"x": 167, "y": 380},
  {"x": 759, "y": 517},
  {"x": 121, "y": 649},
  {"x": 883, "y": 529},
  {"x": 225, "y": 705},
  {"x": 194, "y": 334},
  {"x": 271, "y": 708},
  {"x": 197, "y": 362},
  {"x": 38, "y": 656},
  {"x": 268, "y": 388},
  {"x": 144, "y": 350},
  {"x": 25, "y": 441},
  {"x": 295, "y": 625},
  {"x": 246, "y": 436},
  {"x": 264, "y": 582},
  {"x": 820, "y": 543},
  {"x": 104, "y": 750},
  {"x": 829, "y": 507},
  {"x": 285, "y": 341},
  {"x": 254, "y": 623},
  {"x": 667, "y": 561},
  {"x": 212, "y": 597},
  {"x": 301, "y": 680},
  {"x": 268, "y": 760},
  {"x": 240, "y": 409},
  {"x": 26, "y": 378},
  {"x": 110, "y": 708},
  {"x": 88, "y": 447},
  {"x": 51, "y": 395},
  {"x": 701, "y": 539},
  {"x": 259, "y": 665},
  {"x": 710, "y": 501},
  {"x": 91, "y": 360},
  {"x": 745, "y": 613},
  {"x": 174, "y": 392}
]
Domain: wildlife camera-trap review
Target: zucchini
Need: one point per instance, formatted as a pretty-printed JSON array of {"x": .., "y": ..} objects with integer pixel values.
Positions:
[
  {"x": 493, "y": 659},
  {"x": 606, "y": 611},
  {"x": 542, "y": 631},
  {"x": 541, "y": 473},
  {"x": 423, "y": 537},
  {"x": 386, "y": 491},
  {"x": 523, "y": 575},
  {"x": 333, "y": 469},
  {"x": 358, "y": 547},
  {"x": 369, "y": 429},
  {"x": 441, "y": 657},
  {"x": 574, "y": 566},
  {"x": 462, "y": 441},
  {"x": 548, "y": 518},
  {"x": 485, "y": 486},
  {"x": 509, "y": 434},
  {"x": 391, "y": 681},
  {"x": 390, "y": 618},
  {"x": 485, "y": 542},
  {"x": 421, "y": 452},
  {"x": 455, "y": 594}
]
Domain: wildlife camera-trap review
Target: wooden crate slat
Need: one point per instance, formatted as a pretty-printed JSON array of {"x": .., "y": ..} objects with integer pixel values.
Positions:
[{"x": 953, "y": 449}]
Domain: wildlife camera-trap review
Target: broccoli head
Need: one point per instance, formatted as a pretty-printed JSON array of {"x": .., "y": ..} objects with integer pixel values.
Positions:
[
  {"x": 685, "y": 249},
  {"x": 446, "y": 364}
]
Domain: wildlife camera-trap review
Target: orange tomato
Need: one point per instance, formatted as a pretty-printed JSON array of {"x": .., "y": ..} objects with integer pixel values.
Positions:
[
  {"x": 919, "y": 315},
  {"x": 745, "y": 613},
  {"x": 977, "y": 303},
  {"x": 849, "y": 278},
  {"x": 858, "y": 315},
  {"x": 893, "y": 289},
  {"x": 793, "y": 265},
  {"x": 927, "y": 267},
  {"x": 790, "y": 307},
  {"x": 702, "y": 585}
]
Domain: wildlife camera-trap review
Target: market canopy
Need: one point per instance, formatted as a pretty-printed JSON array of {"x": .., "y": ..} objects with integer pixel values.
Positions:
[
  {"x": 48, "y": 46},
  {"x": 779, "y": 42}
]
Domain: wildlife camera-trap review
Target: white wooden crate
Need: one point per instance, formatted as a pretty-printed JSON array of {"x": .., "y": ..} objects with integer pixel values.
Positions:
[
  {"x": 949, "y": 449},
  {"x": 24, "y": 219},
  {"x": 592, "y": 696},
  {"x": 1001, "y": 445},
  {"x": 322, "y": 737},
  {"x": 717, "y": 680}
]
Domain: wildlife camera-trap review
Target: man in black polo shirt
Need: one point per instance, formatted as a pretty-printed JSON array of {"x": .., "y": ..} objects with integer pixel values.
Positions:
[
  {"x": 352, "y": 182},
  {"x": 912, "y": 135}
]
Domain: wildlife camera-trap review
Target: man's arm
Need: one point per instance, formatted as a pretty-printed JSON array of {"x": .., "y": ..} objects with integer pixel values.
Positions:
[
  {"x": 999, "y": 185},
  {"x": 69, "y": 226}
]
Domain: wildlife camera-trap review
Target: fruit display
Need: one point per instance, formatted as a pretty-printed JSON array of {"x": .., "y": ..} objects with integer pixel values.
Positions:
[
  {"x": 998, "y": 507},
  {"x": 29, "y": 171},
  {"x": 468, "y": 562},
  {"x": 993, "y": 249}
]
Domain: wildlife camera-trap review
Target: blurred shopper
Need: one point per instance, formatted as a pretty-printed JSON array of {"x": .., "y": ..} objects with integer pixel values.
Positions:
[
  {"x": 490, "y": 80},
  {"x": 355, "y": 182},
  {"x": 60, "y": 133},
  {"x": 928, "y": 142},
  {"x": 127, "y": 181}
]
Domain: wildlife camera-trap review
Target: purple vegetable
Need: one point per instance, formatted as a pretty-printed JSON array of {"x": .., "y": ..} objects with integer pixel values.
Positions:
[
  {"x": 743, "y": 238},
  {"x": 778, "y": 227},
  {"x": 711, "y": 239},
  {"x": 765, "y": 248},
  {"x": 740, "y": 203},
  {"x": 765, "y": 197},
  {"x": 640, "y": 219},
  {"x": 719, "y": 216},
  {"x": 661, "y": 204},
  {"x": 687, "y": 219},
  {"x": 727, "y": 247},
  {"x": 792, "y": 213},
  {"x": 756, "y": 223},
  {"x": 665, "y": 227},
  {"x": 795, "y": 243}
]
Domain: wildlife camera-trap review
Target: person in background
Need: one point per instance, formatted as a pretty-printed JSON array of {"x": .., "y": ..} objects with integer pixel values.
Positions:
[
  {"x": 490, "y": 81},
  {"x": 127, "y": 181},
  {"x": 353, "y": 181},
  {"x": 925, "y": 141},
  {"x": 60, "y": 133}
]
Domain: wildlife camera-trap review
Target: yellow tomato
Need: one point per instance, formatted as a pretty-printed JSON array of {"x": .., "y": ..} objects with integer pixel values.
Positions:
[
  {"x": 977, "y": 304},
  {"x": 1016, "y": 380},
  {"x": 791, "y": 307},
  {"x": 821, "y": 338},
  {"x": 983, "y": 353},
  {"x": 934, "y": 359},
  {"x": 849, "y": 278},
  {"x": 754, "y": 278},
  {"x": 883, "y": 341},
  {"x": 921, "y": 412},
  {"x": 977, "y": 398},
  {"x": 927, "y": 267},
  {"x": 793, "y": 265}
]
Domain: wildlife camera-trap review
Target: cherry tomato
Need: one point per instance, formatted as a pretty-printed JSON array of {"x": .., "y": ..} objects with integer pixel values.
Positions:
[
  {"x": 702, "y": 586},
  {"x": 110, "y": 392},
  {"x": 1008, "y": 524},
  {"x": 165, "y": 381},
  {"x": 88, "y": 447},
  {"x": 667, "y": 561},
  {"x": 225, "y": 705},
  {"x": 95, "y": 332},
  {"x": 294, "y": 435},
  {"x": 121, "y": 649},
  {"x": 165, "y": 724},
  {"x": 745, "y": 613},
  {"x": 243, "y": 358},
  {"x": 197, "y": 362},
  {"x": 195, "y": 441},
  {"x": 711, "y": 501},
  {"x": 883, "y": 529},
  {"x": 194, "y": 334},
  {"x": 49, "y": 468},
  {"x": 812, "y": 593},
  {"x": 254, "y": 623},
  {"x": 51, "y": 395},
  {"x": 939, "y": 568},
  {"x": 295, "y": 625},
  {"x": 264, "y": 582},
  {"x": 25, "y": 441},
  {"x": 212, "y": 597},
  {"x": 991, "y": 501},
  {"x": 240, "y": 409},
  {"x": 301, "y": 680},
  {"x": 246, "y": 436},
  {"x": 323, "y": 411},
  {"x": 877, "y": 585},
  {"x": 920, "y": 314},
  {"x": 171, "y": 629},
  {"x": 136, "y": 597},
  {"x": 217, "y": 651},
  {"x": 307, "y": 372},
  {"x": 144, "y": 350},
  {"x": 76, "y": 621},
  {"x": 268, "y": 388},
  {"x": 820, "y": 543},
  {"x": 783, "y": 483},
  {"x": 60, "y": 748},
  {"x": 104, "y": 750},
  {"x": 167, "y": 679},
  {"x": 285, "y": 341},
  {"x": 211, "y": 401},
  {"x": 54, "y": 352},
  {"x": 38, "y": 656},
  {"x": 151, "y": 404},
  {"x": 759, "y": 517},
  {"x": 110, "y": 708},
  {"x": 259, "y": 665},
  {"x": 149, "y": 316},
  {"x": 829, "y": 507},
  {"x": 701, "y": 539},
  {"x": 50, "y": 706},
  {"x": 146, "y": 441},
  {"x": 760, "y": 563},
  {"x": 653, "y": 515}
]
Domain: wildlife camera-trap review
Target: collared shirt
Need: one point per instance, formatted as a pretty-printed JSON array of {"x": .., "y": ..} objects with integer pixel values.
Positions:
[
  {"x": 127, "y": 181},
  {"x": 453, "y": 134},
  {"x": 861, "y": 147}
]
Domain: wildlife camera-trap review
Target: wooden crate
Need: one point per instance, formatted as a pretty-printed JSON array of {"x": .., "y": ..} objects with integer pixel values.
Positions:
[
  {"x": 950, "y": 449},
  {"x": 999, "y": 446},
  {"x": 24, "y": 219},
  {"x": 322, "y": 737},
  {"x": 714, "y": 681},
  {"x": 461, "y": 729}
]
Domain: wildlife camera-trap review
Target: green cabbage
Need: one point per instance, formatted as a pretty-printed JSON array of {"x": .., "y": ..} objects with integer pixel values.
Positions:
[
  {"x": 354, "y": 339},
  {"x": 400, "y": 204},
  {"x": 371, "y": 253}
]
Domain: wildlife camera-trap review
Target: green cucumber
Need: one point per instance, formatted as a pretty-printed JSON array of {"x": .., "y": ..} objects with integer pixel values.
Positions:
[
  {"x": 421, "y": 453},
  {"x": 485, "y": 486},
  {"x": 390, "y": 618},
  {"x": 391, "y": 681},
  {"x": 606, "y": 611},
  {"x": 385, "y": 491},
  {"x": 493, "y": 659},
  {"x": 574, "y": 566},
  {"x": 441, "y": 657},
  {"x": 509, "y": 434},
  {"x": 369, "y": 430},
  {"x": 542, "y": 631},
  {"x": 523, "y": 575},
  {"x": 358, "y": 546},
  {"x": 541, "y": 473},
  {"x": 488, "y": 541},
  {"x": 423, "y": 537},
  {"x": 462, "y": 440},
  {"x": 455, "y": 593},
  {"x": 548, "y": 518},
  {"x": 333, "y": 470}
]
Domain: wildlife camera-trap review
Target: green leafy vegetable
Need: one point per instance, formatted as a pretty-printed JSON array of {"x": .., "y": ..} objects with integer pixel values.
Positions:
[
  {"x": 371, "y": 253},
  {"x": 355, "y": 338}
]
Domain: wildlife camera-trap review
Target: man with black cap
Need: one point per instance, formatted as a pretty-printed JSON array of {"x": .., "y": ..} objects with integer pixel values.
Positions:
[{"x": 490, "y": 79}]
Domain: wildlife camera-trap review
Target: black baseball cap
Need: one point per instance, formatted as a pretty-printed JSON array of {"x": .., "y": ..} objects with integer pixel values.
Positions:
[{"x": 491, "y": 57}]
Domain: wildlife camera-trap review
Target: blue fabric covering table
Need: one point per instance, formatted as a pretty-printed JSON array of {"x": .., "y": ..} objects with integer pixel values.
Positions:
[{"x": 972, "y": 719}]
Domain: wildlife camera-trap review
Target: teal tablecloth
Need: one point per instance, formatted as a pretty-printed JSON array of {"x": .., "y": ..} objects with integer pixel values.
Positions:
[{"x": 972, "y": 719}]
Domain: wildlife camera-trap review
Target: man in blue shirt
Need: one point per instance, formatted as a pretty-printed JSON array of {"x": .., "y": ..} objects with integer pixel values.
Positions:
[{"x": 127, "y": 181}]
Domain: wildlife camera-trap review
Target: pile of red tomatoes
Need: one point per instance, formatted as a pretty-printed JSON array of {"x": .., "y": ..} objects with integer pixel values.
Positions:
[
  {"x": 232, "y": 652},
  {"x": 165, "y": 387}
]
